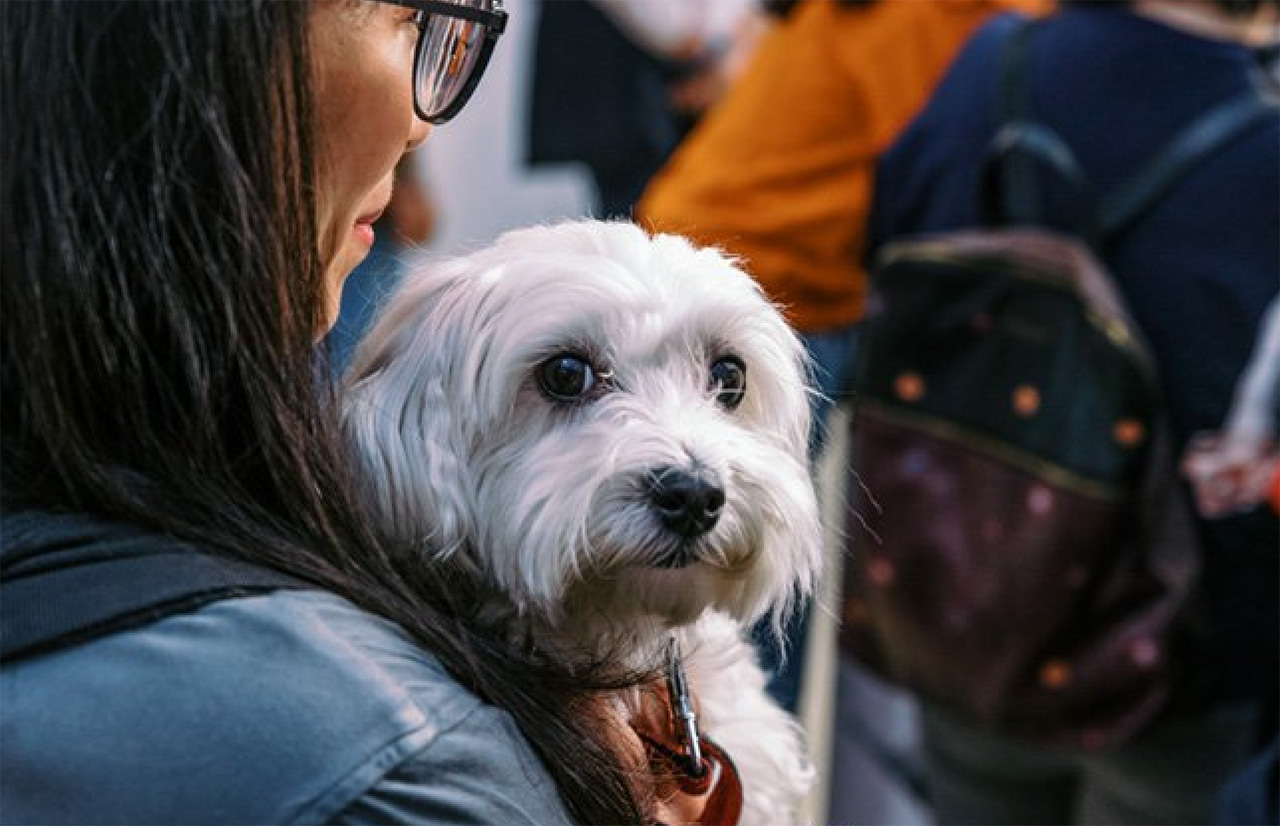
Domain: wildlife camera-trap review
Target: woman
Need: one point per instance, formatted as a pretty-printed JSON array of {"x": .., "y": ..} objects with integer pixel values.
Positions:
[{"x": 185, "y": 187}]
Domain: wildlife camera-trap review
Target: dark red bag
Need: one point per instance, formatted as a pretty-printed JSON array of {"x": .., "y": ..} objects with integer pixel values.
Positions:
[{"x": 1021, "y": 552}]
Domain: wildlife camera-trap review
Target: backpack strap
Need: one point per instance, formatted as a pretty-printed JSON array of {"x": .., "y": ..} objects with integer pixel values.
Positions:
[
  {"x": 72, "y": 597},
  {"x": 1203, "y": 137},
  {"x": 1010, "y": 186},
  {"x": 1015, "y": 95}
]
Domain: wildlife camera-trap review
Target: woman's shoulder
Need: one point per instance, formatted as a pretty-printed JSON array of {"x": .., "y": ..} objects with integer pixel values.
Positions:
[{"x": 279, "y": 707}]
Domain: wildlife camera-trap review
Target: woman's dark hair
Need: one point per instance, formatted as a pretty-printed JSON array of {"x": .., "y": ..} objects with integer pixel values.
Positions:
[{"x": 162, "y": 293}]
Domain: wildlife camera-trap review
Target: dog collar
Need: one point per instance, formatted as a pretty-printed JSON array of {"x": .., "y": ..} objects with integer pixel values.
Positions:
[{"x": 697, "y": 781}]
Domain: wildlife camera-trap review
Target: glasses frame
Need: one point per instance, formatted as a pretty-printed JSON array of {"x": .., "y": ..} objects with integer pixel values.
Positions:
[{"x": 494, "y": 21}]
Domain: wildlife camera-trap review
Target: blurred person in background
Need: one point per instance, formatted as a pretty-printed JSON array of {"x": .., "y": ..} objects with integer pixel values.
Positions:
[
  {"x": 1234, "y": 470},
  {"x": 1197, "y": 272},
  {"x": 617, "y": 83}
]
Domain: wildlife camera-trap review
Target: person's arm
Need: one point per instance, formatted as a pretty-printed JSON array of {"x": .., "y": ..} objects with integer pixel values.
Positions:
[
  {"x": 1257, "y": 398},
  {"x": 1238, "y": 467}
]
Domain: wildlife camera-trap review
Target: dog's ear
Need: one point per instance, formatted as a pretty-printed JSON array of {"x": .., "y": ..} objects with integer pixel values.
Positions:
[
  {"x": 787, "y": 381},
  {"x": 780, "y": 373},
  {"x": 400, "y": 416}
]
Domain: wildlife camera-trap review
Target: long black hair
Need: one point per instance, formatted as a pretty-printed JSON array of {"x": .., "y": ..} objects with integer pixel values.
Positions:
[{"x": 162, "y": 293}]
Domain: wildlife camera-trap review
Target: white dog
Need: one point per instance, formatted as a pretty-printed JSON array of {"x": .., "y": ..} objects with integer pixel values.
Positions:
[{"x": 610, "y": 430}]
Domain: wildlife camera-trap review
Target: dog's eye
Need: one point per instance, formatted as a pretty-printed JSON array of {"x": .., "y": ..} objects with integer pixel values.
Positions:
[
  {"x": 565, "y": 377},
  {"x": 729, "y": 381}
]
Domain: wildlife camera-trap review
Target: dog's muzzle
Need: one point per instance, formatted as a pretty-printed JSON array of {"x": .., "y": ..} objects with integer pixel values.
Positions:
[{"x": 688, "y": 503}]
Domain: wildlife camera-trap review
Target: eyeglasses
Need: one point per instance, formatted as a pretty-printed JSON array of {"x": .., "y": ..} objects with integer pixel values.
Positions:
[{"x": 455, "y": 40}]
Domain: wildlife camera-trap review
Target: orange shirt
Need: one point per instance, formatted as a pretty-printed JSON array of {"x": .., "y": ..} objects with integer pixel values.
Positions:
[{"x": 780, "y": 172}]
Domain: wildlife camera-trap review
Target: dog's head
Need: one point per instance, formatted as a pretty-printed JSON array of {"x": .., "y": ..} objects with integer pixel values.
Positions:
[{"x": 607, "y": 426}]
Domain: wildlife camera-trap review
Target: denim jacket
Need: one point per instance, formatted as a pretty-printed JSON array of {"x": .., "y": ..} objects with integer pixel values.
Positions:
[{"x": 286, "y": 707}]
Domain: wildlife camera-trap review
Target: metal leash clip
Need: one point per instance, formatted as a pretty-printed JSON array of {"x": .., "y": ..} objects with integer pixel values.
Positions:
[{"x": 682, "y": 706}]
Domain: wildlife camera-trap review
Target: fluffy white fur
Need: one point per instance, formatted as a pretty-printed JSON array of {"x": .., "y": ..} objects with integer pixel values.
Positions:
[{"x": 547, "y": 501}]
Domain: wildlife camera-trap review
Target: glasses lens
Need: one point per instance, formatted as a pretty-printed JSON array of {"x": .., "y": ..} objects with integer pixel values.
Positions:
[{"x": 450, "y": 52}]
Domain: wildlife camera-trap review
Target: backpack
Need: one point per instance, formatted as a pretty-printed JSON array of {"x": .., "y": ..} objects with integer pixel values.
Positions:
[
  {"x": 91, "y": 579},
  {"x": 1023, "y": 554}
]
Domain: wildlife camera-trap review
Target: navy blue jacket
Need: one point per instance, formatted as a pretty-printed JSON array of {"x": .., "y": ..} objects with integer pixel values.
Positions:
[{"x": 1197, "y": 271}]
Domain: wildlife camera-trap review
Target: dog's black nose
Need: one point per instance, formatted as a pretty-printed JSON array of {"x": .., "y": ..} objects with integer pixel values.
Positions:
[{"x": 687, "y": 501}]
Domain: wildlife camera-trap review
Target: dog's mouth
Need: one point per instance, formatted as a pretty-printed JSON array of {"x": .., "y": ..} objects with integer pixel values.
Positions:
[
  {"x": 680, "y": 556},
  {"x": 704, "y": 551}
]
